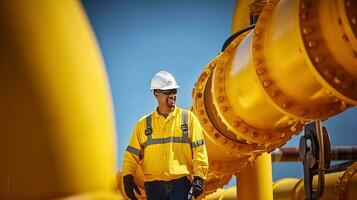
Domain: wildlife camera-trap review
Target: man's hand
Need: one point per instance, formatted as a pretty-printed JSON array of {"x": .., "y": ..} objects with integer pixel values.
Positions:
[
  {"x": 130, "y": 186},
  {"x": 197, "y": 186}
]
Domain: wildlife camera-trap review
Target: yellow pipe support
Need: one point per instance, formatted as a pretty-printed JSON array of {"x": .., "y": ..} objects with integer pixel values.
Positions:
[
  {"x": 57, "y": 132},
  {"x": 256, "y": 182}
]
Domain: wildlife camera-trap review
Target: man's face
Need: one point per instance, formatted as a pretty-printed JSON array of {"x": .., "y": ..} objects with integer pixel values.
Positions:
[{"x": 167, "y": 97}]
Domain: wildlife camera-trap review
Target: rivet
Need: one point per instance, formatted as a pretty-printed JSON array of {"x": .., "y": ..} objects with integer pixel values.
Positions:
[
  {"x": 312, "y": 43},
  {"x": 244, "y": 130},
  {"x": 303, "y": 112},
  {"x": 257, "y": 47},
  {"x": 257, "y": 61},
  {"x": 269, "y": 6},
  {"x": 266, "y": 137},
  {"x": 339, "y": 79},
  {"x": 220, "y": 90},
  {"x": 275, "y": 93},
  {"x": 354, "y": 21},
  {"x": 236, "y": 123},
  {"x": 258, "y": 31},
  {"x": 205, "y": 121},
  {"x": 266, "y": 83},
  {"x": 253, "y": 134},
  {"x": 199, "y": 95},
  {"x": 202, "y": 112},
  {"x": 286, "y": 105},
  {"x": 224, "y": 108},
  {"x": 256, "y": 38},
  {"x": 305, "y": 15},
  {"x": 329, "y": 72},
  {"x": 216, "y": 135},
  {"x": 220, "y": 70},
  {"x": 319, "y": 59},
  {"x": 220, "y": 98},
  {"x": 307, "y": 30},
  {"x": 210, "y": 128},
  {"x": 345, "y": 38},
  {"x": 224, "y": 141},
  {"x": 306, "y": 5},
  {"x": 219, "y": 79},
  {"x": 260, "y": 71},
  {"x": 282, "y": 135}
]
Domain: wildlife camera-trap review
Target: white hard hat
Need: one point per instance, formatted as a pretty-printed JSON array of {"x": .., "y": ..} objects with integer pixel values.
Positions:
[{"x": 163, "y": 80}]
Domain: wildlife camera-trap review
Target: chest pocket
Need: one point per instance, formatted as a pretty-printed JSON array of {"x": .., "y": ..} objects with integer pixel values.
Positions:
[{"x": 183, "y": 139}]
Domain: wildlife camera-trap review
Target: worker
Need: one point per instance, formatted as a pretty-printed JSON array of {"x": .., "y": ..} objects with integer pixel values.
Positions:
[{"x": 169, "y": 147}]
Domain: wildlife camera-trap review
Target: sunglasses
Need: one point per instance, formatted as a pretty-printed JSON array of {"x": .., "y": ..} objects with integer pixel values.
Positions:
[{"x": 167, "y": 92}]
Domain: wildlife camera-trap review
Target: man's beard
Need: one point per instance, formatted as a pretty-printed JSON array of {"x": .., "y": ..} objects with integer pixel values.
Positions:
[{"x": 171, "y": 102}]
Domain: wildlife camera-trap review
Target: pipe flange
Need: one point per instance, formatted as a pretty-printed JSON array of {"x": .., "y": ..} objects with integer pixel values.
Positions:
[
  {"x": 283, "y": 101},
  {"x": 324, "y": 66},
  {"x": 233, "y": 146},
  {"x": 234, "y": 122},
  {"x": 344, "y": 181},
  {"x": 351, "y": 11},
  {"x": 230, "y": 167}
]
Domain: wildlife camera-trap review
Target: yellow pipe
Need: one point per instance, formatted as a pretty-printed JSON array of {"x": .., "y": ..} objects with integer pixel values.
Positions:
[
  {"x": 297, "y": 64},
  {"x": 241, "y": 15},
  {"x": 57, "y": 132},
  {"x": 256, "y": 182},
  {"x": 338, "y": 185}
]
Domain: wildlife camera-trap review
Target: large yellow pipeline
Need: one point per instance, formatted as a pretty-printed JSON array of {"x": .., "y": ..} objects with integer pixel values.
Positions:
[
  {"x": 57, "y": 132},
  {"x": 338, "y": 185},
  {"x": 296, "y": 65}
]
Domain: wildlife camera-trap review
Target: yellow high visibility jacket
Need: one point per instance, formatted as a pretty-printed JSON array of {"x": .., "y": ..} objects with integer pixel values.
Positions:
[{"x": 167, "y": 151}]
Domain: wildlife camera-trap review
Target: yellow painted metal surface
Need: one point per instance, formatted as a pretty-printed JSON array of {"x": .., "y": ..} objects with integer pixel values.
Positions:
[
  {"x": 296, "y": 65},
  {"x": 255, "y": 182},
  {"x": 57, "y": 132},
  {"x": 282, "y": 189},
  {"x": 241, "y": 15},
  {"x": 338, "y": 186}
]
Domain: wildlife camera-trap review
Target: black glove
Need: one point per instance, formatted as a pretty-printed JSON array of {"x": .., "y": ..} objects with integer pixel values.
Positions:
[
  {"x": 197, "y": 186},
  {"x": 129, "y": 186}
]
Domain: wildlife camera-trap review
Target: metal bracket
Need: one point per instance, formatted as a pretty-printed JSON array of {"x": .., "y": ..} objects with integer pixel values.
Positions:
[{"x": 315, "y": 153}]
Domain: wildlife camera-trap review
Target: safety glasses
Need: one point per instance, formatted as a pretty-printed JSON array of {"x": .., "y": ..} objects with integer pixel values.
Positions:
[{"x": 167, "y": 92}]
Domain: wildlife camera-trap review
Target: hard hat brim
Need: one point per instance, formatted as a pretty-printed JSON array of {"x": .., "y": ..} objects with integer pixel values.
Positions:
[{"x": 166, "y": 88}]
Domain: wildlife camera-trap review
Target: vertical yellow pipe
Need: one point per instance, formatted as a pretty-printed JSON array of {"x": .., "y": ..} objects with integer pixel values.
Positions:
[
  {"x": 57, "y": 132},
  {"x": 256, "y": 182},
  {"x": 241, "y": 15}
]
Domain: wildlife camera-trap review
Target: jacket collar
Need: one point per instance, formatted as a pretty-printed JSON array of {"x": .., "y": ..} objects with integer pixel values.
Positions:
[{"x": 173, "y": 113}]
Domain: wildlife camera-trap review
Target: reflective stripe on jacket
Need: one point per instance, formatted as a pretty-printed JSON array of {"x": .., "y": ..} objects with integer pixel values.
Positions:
[{"x": 166, "y": 153}]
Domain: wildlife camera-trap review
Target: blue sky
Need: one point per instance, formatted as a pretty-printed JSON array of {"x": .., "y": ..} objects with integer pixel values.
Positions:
[{"x": 139, "y": 38}]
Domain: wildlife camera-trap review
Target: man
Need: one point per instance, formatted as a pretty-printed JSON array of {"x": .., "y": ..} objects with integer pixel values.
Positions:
[{"x": 169, "y": 147}]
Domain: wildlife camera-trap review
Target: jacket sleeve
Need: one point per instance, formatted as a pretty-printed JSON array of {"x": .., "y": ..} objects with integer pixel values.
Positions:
[
  {"x": 133, "y": 153},
  {"x": 199, "y": 151}
]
